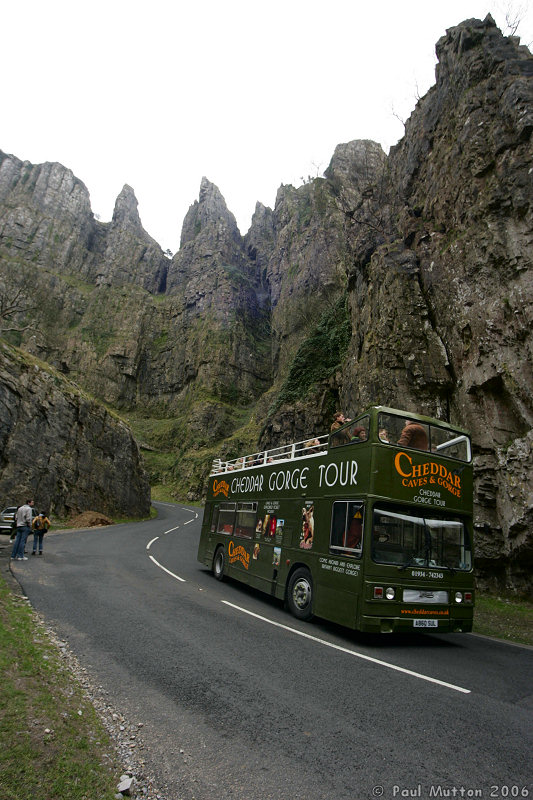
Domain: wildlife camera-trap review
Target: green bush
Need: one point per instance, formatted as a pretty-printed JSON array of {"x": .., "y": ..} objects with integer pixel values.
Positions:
[{"x": 319, "y": 355}]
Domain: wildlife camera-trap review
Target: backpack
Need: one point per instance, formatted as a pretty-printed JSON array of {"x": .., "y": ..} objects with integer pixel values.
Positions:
[{"x": 37, "y": 524}]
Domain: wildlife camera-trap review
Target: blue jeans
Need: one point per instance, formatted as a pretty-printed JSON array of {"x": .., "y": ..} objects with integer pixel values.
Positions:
[
  {"x": 38, "y": 535},
  {"x": 20, "y": 541}
]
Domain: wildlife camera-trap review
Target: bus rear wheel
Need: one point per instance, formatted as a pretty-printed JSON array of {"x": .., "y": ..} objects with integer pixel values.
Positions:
[
  {"x": 300, "y": 594},
  {"x": 218, "y": 564}
]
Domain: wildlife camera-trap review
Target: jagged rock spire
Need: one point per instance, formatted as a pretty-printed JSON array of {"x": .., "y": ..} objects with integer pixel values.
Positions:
[
  {"x": 209, "y": 213},
  {"x": 125, "y": 211}
]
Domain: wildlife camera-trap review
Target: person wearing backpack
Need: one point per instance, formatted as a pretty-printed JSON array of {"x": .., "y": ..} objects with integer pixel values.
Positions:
[{"x": 40, "y": 525}]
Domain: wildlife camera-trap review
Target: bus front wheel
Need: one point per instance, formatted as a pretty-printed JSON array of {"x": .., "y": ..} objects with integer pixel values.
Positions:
[
  {"x": 300, "y": 594},
  {"x": 218, "y": 564}
]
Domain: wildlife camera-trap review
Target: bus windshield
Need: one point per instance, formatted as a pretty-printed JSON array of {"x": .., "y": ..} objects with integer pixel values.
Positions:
[{"x": 412, "y": 540}]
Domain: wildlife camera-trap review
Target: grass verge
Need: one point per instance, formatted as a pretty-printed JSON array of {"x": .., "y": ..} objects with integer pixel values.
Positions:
[
  {"x": 504, "y": 618},
  {"x": 52, "y": 742}
]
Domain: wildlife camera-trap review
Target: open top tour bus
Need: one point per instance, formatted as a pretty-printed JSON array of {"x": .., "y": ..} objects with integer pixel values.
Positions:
[{"x": 369, "y": 527}]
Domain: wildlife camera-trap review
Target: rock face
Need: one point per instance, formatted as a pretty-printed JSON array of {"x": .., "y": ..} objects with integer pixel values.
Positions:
[
  {"x": 129, "y": 250},
  {"x": 403, "y": 279},
  {"x": 446, "y": 324},
  {"x": 63, "y": 449},
  {"x": 222, "y": 310},
  {"x": 46, "y": 219},
  {"x": 439, "y": 239}
]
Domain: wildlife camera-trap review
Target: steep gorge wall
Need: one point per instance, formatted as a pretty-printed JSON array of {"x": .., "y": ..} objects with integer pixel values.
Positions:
[
  {"x": 46, "y": 220},
  {"x": 438, "y": 241},
  {"x": 447, "y": 323},
  {"x": 404, "y": 279},
  {"x": 62, "y": 448}
]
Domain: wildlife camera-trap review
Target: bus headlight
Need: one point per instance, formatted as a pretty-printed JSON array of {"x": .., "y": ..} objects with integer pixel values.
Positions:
[
  {"x": 390, "y": 593},
  {"x": 458, "y": 597}
]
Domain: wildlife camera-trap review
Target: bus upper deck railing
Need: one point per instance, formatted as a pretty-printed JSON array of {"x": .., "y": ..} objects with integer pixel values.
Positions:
[
  {"x": 304, "y": 449},
  {"x": 392, "y": 427}
]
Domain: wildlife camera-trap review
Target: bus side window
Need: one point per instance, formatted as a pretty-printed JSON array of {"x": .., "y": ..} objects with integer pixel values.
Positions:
[
  {"x": 226, "y": 518},
  {"x": 246, "y": 520},
  {"x": 347, "y": 528},
  {"x": 354, "y": 533},
  {"x": 354, "y": 433},
  {"x": 338, "y": 525},
  {"x": 214, "y": 518}
]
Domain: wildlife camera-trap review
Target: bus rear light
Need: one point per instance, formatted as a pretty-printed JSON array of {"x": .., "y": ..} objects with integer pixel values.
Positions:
[
  {"x": 378, "y": 592},
  {"x": 468, "y": 597},
  {"x": 390, "y": 593},
  {"x": 458, "y": 597}
]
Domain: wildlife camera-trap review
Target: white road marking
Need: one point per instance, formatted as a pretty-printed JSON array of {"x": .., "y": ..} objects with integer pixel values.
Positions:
[
  {"x": 170, "y": 530},
  {"x": 348, "y": 651},
  {"x": 167, "y": 570},
  {"x": 164, "y": 534}
]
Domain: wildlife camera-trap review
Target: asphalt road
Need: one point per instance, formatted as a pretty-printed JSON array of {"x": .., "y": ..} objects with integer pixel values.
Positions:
[{"x": 240, "y": 700}]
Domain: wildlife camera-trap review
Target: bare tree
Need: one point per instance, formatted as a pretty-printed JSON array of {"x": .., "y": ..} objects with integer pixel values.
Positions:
[
  {"x": 398, "y": 116},
  {"x": 15, "y": 306},
  {"x": 513, "y": 15}
]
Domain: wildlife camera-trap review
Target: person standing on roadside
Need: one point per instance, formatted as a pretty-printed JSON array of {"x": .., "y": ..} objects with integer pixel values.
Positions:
[
  {"x": 40, "y": 525},
  {"x": 24, "y": 520}
]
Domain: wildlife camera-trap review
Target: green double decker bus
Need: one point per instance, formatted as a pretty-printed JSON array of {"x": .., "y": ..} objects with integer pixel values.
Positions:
[{"x": 369, "y": 526}]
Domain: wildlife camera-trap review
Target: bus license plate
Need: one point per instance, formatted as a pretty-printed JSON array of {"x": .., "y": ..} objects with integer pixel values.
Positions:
[{"x": 425, "y": 623}]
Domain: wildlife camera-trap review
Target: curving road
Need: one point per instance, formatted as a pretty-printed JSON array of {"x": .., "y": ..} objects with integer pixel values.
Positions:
[{"x": 240, "y": 700}]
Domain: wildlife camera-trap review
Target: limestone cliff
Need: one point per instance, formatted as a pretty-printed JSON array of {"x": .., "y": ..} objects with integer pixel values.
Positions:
[
  {"x": 446, "y": 322},
  {"x": 46, "y": 219},
  {"x": 62, "y": 448},
  {"x": 404, "y": 279},
  {"x": 222, "y": 305},
  {"x": 439, "y": 240}
]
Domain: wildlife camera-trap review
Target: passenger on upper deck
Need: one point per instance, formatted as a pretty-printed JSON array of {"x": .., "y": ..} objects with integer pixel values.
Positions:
[
  {"x": 338, "y": 421},
  {"x": 383, "y": 435},
  {"x": 312, "y": 446},
  {"x": 357, "y": 434},
  {"x": 414, "y": 435}
]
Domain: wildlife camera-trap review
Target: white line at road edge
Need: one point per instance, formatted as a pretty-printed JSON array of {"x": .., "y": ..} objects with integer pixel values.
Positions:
[
  {"x": 151, "y": 542},
  {"x": 167, "y": 570},
  {"x": 349, "y": 652}
]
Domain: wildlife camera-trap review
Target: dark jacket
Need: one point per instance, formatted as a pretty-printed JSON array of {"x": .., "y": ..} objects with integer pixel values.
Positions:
[{"x": 414, "y": 435}]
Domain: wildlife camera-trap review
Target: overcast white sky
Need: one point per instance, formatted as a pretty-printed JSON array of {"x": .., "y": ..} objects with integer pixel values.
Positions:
[{"x": 252, "y": 95}]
